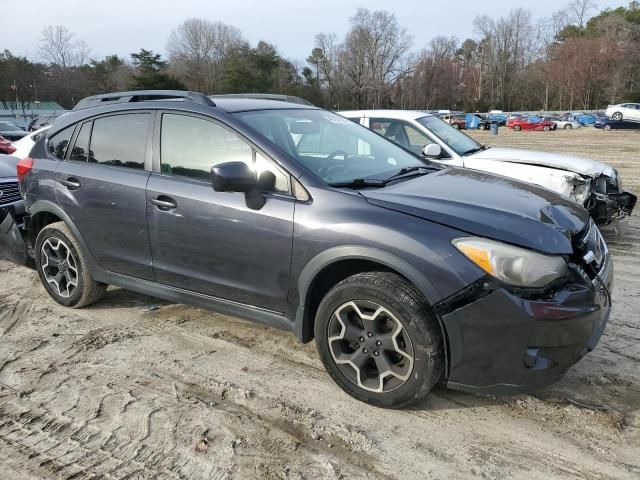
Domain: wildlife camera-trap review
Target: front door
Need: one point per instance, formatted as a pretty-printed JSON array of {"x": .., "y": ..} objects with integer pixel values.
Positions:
[
  {"x": 210, "y": 242},
  {"x": 101, "y": 186}
]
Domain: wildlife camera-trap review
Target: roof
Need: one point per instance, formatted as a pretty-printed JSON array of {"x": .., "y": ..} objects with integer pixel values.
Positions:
[
  {"x": 232, "y": 105},
  {"x": 398, "y": 114},
  {"x": 264, "y": 96}
]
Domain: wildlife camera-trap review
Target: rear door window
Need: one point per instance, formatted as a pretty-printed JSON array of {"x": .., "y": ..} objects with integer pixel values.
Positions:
[
  {"x": 81, "y": 145},
  {"x": 120, "y": 140}
]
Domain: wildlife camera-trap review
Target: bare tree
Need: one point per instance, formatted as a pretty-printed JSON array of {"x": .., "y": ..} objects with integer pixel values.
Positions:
[
  {"x": 197, "y": 49},
  {"x": 578, "y": 11},
  {"x": 59, "y": 46}
]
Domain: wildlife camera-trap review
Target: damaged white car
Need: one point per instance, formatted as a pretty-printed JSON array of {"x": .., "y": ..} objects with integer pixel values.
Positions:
[{"x": 588, "y": 182}]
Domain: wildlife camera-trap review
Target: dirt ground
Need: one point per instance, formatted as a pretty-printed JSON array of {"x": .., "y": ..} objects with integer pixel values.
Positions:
[{"x": 134, "y": 387}]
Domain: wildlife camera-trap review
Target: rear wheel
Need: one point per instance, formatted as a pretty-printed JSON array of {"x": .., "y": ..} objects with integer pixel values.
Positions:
[
  {"x": 616, "y": 116},
  {"x": 63, "y": 269},
  {"x": 568, "y": 126},
  {"x": 607, "y": 128},
  {"x": 546, "y": 128},
  {"x": 517, "y": 128},
  {"x": 378, "y": 339}
]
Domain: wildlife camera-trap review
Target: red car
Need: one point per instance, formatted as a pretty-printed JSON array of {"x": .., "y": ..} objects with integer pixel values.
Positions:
[
  {"x": 525, "y": 124},
  {"x": 6, "y": 147}
]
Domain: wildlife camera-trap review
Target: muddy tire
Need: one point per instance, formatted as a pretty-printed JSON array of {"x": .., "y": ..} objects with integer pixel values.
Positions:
[
  {"x": 379, "y": 340},
  {"x": 62, "y": 268}
]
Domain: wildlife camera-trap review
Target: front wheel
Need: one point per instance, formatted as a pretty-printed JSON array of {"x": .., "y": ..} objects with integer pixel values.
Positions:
[
  {"x": 378, "y": 339},
  {"x": 607, "y": 128},
  {"x": 546, "y": 128},
  {"x": 616, "y": 116},
  {"x": 517, "y": 128},
  {"x": 63, "y": 268}
]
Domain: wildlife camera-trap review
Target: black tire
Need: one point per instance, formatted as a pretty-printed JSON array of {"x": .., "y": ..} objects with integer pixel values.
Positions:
[
  {"x": 86, "y": 290},
  {"x": 517, "y": 128},
  {"x": 616, "y": 116},
  {"x": 568, "y": 126},
  {"x": 405, "y": 307},
  {"x": 607, "y": 128}
]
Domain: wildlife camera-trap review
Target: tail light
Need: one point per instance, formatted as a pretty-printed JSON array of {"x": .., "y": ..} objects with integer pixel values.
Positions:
[{"x": 23, "y": 167}]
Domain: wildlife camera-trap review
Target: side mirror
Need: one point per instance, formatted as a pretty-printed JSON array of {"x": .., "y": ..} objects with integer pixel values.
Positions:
[
  {"x": 432, "y": 150},
  {"x": 233, "y": 177}
]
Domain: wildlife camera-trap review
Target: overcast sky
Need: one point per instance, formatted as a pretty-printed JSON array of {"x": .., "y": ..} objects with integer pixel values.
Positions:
[{"x": 125, "y": 26}]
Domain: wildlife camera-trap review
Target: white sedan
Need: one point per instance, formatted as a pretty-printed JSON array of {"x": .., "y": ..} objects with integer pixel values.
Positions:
[
  {"x": 624, "y": 111},
  {"x": 564, "y": 124},
  {"x": 593, "y": 184},
  {"x": 24, "y": 145}
]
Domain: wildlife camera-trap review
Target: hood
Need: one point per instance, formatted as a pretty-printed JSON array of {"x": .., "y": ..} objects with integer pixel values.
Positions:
[
  {"x": 583, "y": 166},
  {"x": 8, "y": 166},
  {"x": 489, "y": 206}
]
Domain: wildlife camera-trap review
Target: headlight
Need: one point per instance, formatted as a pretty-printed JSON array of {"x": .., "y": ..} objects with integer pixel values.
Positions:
[{"x": 512, "y": 265}]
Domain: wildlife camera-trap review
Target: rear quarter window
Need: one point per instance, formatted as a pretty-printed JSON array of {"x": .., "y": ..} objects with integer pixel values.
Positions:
[{"x": 57, "y": 144}]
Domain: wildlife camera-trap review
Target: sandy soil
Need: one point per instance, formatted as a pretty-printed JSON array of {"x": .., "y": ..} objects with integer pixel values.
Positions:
[{"x": 134, "y": 387}]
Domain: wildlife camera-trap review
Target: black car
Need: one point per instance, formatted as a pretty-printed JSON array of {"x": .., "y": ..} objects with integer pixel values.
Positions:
[
  {"x": 404, "y": 272},
  {"x": 11, "y": 132},
  {"x": 607, "y": 124}
]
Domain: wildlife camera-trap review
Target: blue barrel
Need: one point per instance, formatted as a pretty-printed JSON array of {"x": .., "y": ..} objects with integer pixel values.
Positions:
[{"x": 494, "y": 129}]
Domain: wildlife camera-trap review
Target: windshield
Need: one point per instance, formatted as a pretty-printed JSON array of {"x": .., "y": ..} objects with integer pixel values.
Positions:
[
  {"x": 459, "y": 142},
  {"x": 9, "y": 127},
  {"x": 333, "y": 147}
]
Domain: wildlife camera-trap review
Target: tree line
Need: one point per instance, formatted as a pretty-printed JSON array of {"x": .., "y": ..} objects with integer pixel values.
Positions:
[{"x": 574, "y": 59}]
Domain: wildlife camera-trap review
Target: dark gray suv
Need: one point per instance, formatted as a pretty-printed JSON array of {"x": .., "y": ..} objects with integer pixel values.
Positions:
[{"x": 404, "y": 272}]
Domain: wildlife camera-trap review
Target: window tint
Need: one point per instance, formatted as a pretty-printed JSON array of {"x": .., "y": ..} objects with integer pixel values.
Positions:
[
  {"x": 120, "y": 140},
  {"x": 80, "y": 148},
  {"x": 57, "y": 145},
  {"x": 190, "y": 146}
]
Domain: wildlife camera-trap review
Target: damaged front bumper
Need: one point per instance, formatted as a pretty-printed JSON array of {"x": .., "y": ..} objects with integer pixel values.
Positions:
[
  {"x": 501, "y": 343},
  {"x": 606, "y": 207}
]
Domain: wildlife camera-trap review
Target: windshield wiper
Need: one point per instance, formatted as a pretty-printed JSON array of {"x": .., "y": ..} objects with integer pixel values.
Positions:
[
  {"x": 410, "y": 172},
  {"x": 476, "y": 149},
  {"x": 360, "y": 183}
]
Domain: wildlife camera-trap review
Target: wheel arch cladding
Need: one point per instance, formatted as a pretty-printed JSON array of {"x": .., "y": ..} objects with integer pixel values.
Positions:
[
  {"x": 330, "y": 267},
  {"x": 43, "y": 213}
]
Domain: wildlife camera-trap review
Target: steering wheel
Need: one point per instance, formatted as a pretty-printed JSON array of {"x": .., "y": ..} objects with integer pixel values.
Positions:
[{"x": 331, "y": 164}]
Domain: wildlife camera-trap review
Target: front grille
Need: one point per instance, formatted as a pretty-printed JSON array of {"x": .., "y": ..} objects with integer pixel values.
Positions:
[{"x": 9, "y": 193}]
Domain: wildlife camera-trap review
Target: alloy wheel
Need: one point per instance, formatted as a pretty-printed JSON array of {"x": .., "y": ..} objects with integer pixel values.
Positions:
[
  {"x": 59, "y": 266},
  {"x": 617, "y": 116},
  {"x": 370, "y": 346}
]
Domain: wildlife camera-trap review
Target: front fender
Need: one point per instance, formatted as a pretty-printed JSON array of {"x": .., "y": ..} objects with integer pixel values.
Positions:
[{"x": 355, "y": 252}]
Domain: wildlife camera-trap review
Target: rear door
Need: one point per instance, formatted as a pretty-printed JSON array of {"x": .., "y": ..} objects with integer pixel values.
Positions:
[{"x": 101, "y": 185}]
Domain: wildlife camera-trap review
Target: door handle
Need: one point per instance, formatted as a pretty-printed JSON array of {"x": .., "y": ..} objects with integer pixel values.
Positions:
[
  {"x": 71, "y": 183},
  {"x": 164, "y": 203}
]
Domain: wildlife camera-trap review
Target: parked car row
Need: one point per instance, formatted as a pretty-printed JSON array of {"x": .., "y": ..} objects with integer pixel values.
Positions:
[{"x": 358, "y": 230}]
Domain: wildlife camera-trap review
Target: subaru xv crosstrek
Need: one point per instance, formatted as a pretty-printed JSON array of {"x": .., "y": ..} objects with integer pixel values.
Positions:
[{"x": 403, "y": 271}]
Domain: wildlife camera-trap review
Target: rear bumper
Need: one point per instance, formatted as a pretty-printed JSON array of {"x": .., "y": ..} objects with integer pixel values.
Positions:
[
  {"x": 503, "y": 344},
  {"x": 12, "y": 244}
]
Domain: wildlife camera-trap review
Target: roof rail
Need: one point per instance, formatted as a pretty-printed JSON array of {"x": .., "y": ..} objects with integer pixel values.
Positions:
[
  {"x": 143, "y": 96},
  {"x": 265, "y": 96}
]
